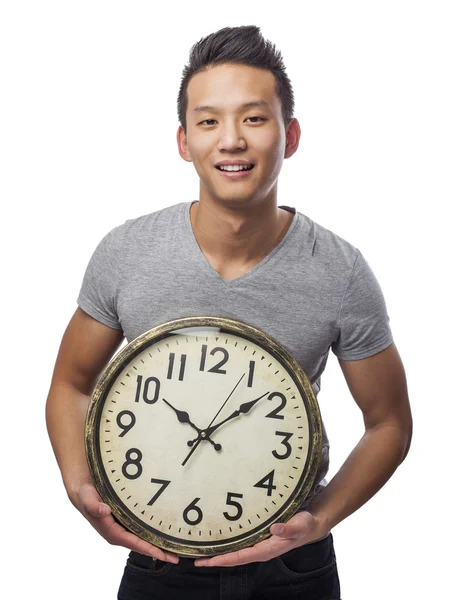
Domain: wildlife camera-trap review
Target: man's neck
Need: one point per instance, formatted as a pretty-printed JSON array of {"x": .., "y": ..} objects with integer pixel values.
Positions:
[{"x": 241, "y": 238}]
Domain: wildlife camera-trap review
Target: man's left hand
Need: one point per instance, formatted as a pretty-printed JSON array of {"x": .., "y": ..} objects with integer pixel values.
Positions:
[{"x": 302, "y": 528}]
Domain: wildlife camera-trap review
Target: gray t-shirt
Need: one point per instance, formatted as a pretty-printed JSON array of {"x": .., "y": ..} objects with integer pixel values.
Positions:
[{"x": 314, "y": 291}]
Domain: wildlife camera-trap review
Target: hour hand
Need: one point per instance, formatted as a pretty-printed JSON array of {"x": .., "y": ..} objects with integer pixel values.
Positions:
[
  {"x": 182, "y": 416},
  {"x": 242, "y": 409}
]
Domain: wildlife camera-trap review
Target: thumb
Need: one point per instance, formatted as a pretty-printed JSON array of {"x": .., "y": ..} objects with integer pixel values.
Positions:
[
  {"x": 280, "y": 529},
  {"x": 299, "y": 525},
  {"x": 91, "y": 502},
  {"x": 286, "y": 530}
]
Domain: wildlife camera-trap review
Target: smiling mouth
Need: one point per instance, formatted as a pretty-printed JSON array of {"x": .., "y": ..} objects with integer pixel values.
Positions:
[{"x": 234, "y": 168}]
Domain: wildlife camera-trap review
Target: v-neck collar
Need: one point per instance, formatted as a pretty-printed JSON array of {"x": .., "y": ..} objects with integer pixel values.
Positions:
[{"x": 214, "y": 273}]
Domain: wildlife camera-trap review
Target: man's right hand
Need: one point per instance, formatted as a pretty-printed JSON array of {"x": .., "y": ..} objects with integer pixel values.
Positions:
[{"x": 99, "y": 515}]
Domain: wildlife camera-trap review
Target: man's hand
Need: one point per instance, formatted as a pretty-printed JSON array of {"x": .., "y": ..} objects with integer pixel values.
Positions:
[
  {"x": 98, "y": 514},
  {"x": 302, "y": 528}
]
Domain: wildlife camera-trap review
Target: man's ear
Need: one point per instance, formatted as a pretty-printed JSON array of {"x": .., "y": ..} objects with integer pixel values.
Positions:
[
  {"x": 292, "y": 138},
  {"x": 183, "y": 145}
]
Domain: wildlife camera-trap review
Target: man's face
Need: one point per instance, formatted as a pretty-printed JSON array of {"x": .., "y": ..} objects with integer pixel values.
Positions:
[{"x": 221, "y": 128}]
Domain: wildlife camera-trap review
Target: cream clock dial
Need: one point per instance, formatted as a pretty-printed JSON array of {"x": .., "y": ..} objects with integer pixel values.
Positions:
[{"x": 201, "y": 433}]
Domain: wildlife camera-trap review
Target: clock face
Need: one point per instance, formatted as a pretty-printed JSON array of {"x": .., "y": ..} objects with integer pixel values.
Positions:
[{"x": 201, "y": 433}]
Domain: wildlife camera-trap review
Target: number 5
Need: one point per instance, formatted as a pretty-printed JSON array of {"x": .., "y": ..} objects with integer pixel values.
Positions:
[{"x": 231, "y": 502}]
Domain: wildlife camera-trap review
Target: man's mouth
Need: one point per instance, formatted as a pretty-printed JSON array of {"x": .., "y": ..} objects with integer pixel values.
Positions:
[{"x": 233, "y": 168}]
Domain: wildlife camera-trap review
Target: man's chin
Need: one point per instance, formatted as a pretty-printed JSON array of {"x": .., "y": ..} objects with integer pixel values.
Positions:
[{"x": 235, "y": 202}]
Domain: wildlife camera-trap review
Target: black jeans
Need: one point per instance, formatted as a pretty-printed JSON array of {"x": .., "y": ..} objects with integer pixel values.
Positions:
[{"x": 308, "y": 573}]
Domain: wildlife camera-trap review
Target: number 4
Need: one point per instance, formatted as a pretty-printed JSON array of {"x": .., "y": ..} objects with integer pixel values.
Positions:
[{"x": 267, "y": 483}]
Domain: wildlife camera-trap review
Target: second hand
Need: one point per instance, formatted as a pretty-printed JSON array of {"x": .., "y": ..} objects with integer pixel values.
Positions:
[{"x": 200, "y": 438}]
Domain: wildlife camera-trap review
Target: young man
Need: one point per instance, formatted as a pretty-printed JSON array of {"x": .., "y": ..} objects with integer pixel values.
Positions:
[{"x": 236, "y": 253}]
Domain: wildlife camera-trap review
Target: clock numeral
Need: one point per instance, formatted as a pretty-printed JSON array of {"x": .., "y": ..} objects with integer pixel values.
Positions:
[
  {"x": 126, "y": 427},
  {"x": 164, "y": 485},
  {"x": 286, "y": 444},
  {"x": 267, "y": 483},
  {"x": 251, "y": 373},
  {"x": 171, "y": 366},
  {"x": 231, "y": 502},
  {"x": 132, "y": 461},
  {"x": 145, "y": 390},
  {"x": 217, "y": 367},
  {"x": 193, "y": 507},
  {"x": 275, "y": 413}
]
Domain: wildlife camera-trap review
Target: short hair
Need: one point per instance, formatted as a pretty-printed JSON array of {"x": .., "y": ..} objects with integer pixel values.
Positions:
[{"x": 237, "y": 45}]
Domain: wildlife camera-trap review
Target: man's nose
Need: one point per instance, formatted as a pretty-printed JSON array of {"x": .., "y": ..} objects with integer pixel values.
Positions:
[{"x": 231, "y": 137}]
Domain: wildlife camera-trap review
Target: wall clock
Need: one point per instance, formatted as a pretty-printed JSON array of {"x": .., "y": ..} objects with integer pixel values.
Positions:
[{"x": 201, "y": 433}]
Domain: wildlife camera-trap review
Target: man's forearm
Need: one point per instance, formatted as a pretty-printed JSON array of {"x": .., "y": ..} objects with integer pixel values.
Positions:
[
  {"x": 65, "y": 417},
  {"x": 365, "y": 471}
]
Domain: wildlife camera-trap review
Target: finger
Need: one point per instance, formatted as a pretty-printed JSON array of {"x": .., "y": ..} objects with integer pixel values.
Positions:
[
  {"x": 260, "y": 552},
  {"x": 288, "y": 532},
  {"x": 115, "y": 534},
  {"x": 91, "y": 502},
  {"x": 100, "y": 517},
  {"x": 279, "y": 529},
  {"x": 225, "y": 560},
  {"x": 299, "y": 525}
]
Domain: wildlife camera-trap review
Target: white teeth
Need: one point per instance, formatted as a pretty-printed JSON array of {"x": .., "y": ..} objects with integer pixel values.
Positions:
[{"x": 234, "y": 167}]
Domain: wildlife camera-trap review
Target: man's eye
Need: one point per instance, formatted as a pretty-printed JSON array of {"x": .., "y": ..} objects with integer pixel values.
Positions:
[{"x": 211, "y": 121}]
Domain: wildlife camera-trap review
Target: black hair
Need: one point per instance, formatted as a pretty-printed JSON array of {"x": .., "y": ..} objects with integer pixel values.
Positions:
[{"x": 238, "y": 45}]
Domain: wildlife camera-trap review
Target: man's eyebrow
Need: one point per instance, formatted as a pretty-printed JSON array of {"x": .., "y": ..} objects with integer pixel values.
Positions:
[{"x": 252, "y": 104}]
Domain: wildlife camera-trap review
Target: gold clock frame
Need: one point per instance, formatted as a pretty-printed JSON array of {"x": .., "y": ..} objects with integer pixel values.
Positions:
[{"x": 134, "y": 347}]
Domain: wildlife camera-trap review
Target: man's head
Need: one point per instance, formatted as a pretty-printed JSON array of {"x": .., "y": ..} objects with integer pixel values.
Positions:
[
  {"x": 236, "y": 108},
  {"x": 237, "y": 45}
]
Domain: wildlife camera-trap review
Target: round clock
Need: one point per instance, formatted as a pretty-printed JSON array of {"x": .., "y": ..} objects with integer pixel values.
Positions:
[{"x": 201, "y": 433}]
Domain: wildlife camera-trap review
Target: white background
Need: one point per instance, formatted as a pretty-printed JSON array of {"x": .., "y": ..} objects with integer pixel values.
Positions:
[{"x": 87, "y": 140}]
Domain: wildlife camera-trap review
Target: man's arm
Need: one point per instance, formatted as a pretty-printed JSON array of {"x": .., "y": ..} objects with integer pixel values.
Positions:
[
  {"x": 378, "y": 385},
  {"x": 86, "y": 348}
]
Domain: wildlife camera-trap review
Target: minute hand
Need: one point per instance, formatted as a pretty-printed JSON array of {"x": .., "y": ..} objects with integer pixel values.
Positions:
[{"x": 243, "y": 409}]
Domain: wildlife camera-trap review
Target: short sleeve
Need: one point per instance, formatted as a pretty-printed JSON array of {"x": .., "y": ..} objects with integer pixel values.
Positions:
[
  {"x": 363, "y": 325},
  {"x": 98, "y": 293}
]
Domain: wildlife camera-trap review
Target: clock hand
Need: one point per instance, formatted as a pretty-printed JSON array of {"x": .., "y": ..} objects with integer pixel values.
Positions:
[
  {"x": 243, "y": 408},
  {"x": 184, "y": 417},
  {"x": 200, "y": 437}
]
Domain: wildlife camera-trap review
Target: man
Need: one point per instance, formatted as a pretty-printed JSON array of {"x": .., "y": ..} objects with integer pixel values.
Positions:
[{"x": 236, "y": 253}]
